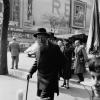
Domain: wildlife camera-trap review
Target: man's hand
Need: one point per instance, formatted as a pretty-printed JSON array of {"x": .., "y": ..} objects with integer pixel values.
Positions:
[{"x": 29, "y": 76}]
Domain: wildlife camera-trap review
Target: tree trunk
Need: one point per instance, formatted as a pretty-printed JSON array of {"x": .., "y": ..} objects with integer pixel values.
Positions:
[{"x": 4, "y": 35}]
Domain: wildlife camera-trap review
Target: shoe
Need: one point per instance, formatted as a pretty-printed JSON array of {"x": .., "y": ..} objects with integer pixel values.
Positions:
[
  {"x": 67, "y": 87},
  {"x": 79, "y": 81},
  {"x": 64, "y": 84},
  {"x": 16, "y": 67}
]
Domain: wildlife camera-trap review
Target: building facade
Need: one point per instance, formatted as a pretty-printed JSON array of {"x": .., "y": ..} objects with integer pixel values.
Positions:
[{"x": 27, "y": 15}]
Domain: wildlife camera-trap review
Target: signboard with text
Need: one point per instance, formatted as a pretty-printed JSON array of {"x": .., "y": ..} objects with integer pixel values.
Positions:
[{"x": 78, "y": 13}]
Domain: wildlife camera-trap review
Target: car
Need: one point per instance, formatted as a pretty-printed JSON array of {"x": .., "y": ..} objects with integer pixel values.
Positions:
[{"x": 31, "y": 51}]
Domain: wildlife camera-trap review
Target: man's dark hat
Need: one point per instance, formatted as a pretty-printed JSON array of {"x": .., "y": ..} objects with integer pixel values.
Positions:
[
  {"x": 41, "y": 31},
  {"x": 51, "y": 35}
]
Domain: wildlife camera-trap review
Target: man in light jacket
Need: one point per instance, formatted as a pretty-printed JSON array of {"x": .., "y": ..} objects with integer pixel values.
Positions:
[{"x": 15, "y": 50}]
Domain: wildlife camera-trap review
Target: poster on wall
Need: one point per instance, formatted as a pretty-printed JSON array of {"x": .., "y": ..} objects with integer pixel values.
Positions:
[{"x": 78, "y": 13}]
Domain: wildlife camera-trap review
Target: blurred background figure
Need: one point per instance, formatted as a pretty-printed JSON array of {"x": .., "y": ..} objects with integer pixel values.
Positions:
[
  {"x": 15, "y": 50},
  {"x": 66, "y": 70},
  {"x": 80, "y": 59},
  {"x": 61, "y": 45},
  {"x": 52, "y": 38}
]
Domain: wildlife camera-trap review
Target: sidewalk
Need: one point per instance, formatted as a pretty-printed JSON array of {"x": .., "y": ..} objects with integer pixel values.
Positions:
[
  {"x": 25, "y": 63},
  {"x": 17, "y": 81},
  {"x": 9, "y": 88}
]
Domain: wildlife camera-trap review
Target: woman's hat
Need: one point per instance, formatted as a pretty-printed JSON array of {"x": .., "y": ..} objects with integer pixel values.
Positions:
[{"x": 41, "y": 31}]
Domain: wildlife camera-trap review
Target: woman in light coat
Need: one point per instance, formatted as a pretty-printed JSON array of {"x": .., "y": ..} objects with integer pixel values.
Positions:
[{"x": 80, "y": 59}]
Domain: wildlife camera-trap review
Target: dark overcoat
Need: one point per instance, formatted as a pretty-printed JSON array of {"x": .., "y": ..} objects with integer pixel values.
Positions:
[
  {"x": 66, "y": 70},
  {"x": 49, "y": 59}
]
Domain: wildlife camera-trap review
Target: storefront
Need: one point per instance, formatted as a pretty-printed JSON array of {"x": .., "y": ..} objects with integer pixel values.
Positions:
[{"x": 25, "y": 38}]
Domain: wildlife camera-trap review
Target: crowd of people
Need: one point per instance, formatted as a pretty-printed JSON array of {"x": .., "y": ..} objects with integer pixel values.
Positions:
[{"x": 54, "y": 59}]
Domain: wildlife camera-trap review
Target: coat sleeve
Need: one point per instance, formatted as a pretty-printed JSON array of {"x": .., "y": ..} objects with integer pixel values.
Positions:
[
  {"x": 34, "y": 68},
  {"x": 10, "y": 47},
  {"x": 85, "y": 54},
  {"x": 61, "y": 59},
  {"x": 19, "y": 47},
  {"x": 75, "y": 52}
]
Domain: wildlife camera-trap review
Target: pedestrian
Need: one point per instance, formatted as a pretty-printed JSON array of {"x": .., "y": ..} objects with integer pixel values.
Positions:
[
  {"x": 52, "y": 38},
  {"x": 49, "y": 59},
  {"x": 14, "y": 48},
  {"x": 61, "y": 45},
  {"x": 66, "y": 71},
  {"x": 80, "y": 59}
]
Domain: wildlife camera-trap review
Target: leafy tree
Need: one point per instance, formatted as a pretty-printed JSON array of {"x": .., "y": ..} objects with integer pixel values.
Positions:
[{"x": 3, "y": 43}]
